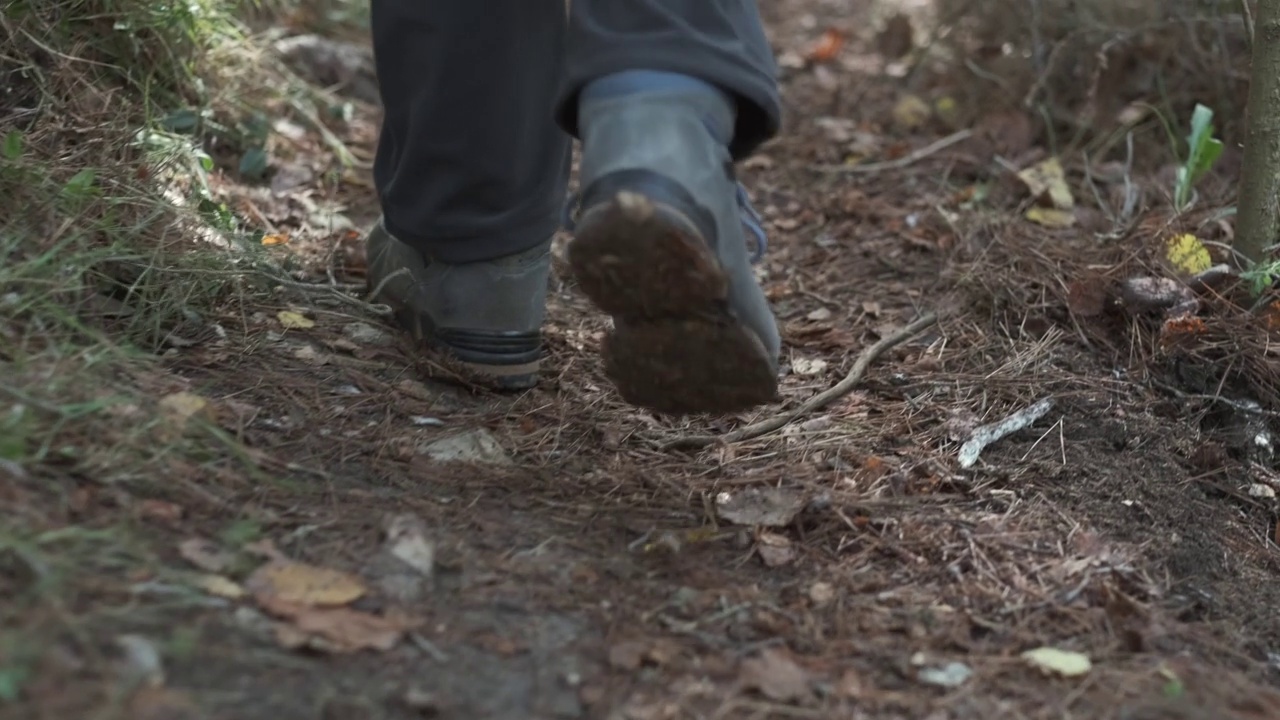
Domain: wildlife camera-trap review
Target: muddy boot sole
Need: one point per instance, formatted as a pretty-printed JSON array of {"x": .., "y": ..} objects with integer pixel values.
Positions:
[{"x": 675, "y": 347}]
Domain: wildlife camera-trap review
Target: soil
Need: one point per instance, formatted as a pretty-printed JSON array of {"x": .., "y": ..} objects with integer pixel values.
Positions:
[{"x": 588, "y": 572}]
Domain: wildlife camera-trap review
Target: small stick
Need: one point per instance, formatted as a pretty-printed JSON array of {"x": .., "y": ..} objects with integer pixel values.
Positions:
[
  {"x": 816, "y": 402},
  {"x": 909, "y": 159}
]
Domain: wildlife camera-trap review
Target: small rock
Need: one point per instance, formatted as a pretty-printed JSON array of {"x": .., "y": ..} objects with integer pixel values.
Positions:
[
  {"x": 367, "y": 335},
  {"x": 821, "y": 593},
  {"x": 475, "y": 446},
  {"x": 1258, "y": 490}
]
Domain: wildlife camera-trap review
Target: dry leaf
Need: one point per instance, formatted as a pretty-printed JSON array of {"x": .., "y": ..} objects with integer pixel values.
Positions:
[
  {"x": 821, "y": 594},
  {"x": 766, "y": 507},
  {"x": 205, "y": 555},
  {"x": 1051, "y": 217},
  {"x": 407, "y": 540},
  {"x": 1188, "y": 255},
  {"x": 294, "y": 320},
  {"x": 896, "y": 38},
  {"x": 1061, "y": 662},
  {"x": 775, "y": 550},
  {"x": 808, "y": 366},
  {"x": 219, "y": 586},
  {"x": 286, "y": 583},
  {"x": 777, "y": 676},
  {"x": 340, "y": 630},
  {"x": 827, "y": 48},
  {"x": 910, "y": 112},
  {"x": 275, "y": 239},
  {"x": 1048, "y": 181},
  {"x": 164, "y": 511},
  {"x": 180, "y": 407},
  {"x": 628, "y": 655}
]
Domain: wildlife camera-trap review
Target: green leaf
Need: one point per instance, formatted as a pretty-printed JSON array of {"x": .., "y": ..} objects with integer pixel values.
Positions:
[
  {"x": 13, "y": 146},
  {"x": 80, "y": 185},
  {"x": 183, "y": 121},
  {"x": 1203, "y": 150},
  {"x": 253, "y": 164}
]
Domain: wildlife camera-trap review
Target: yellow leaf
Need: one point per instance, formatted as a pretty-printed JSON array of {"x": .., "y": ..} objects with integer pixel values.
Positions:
[
  {"x": 180, "y": 407},
  {"x": 1062, "y": 662},
  {"x": 1188, "y": 254},
  {"x": 1049, "y": 217},
  {"x": 1047, "y": 179},
  {"x": 294, "y": 583},
  {"x": 275, "y": 239},
  {"x": 219, "y": 586},
  {"x": 295, "y": 320},
  {"x": 911, "y": 112}
]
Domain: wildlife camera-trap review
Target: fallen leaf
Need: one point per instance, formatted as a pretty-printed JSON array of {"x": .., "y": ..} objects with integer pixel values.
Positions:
[
  {"x": 293, "y": 583},
  {"x": 1061, "y": 662},
  {"x": 407, "y": 540},
  {"x": 821, "y": 594},
  {"x": 808, "y": 366},
  {"x": 142, "y": 661},
  {"x": 628, "y": 654},
  {"x": 205, "y": 555},
  {"x": 819, "y": 315},
  {"x": 160, "y": 703},
  {"x": 180, "y": 407},
  {"x": 896, "y": 38},
  {"x": 953, "y": 674},
  {"x": 295, "y": 320},
  {"x": 910, "y": 112},
  {"x": 164, "y": 511},
  {"x": 827, "y": 48},
  {"x": 219, "y": 586},
  {"x": 340, "y": 630},
  {"x": 275, "y": 239},
  {"x": 1051, "y": 217},
  {"x": 1187, "y": 254},
  {"x": 1088, "y": 296},
  {"x": 761, "y": 507},
  {"x": 775, "y": 550},
  {"x": 1047, "y": 181},
  {"x": 777, "y": 676}
]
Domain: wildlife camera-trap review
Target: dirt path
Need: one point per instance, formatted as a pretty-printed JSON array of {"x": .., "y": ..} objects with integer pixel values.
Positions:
[{"x": 581, "y": 570}]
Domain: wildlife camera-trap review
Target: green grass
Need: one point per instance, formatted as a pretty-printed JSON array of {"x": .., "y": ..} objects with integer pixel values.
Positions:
[{"x": 105, "y": 223}]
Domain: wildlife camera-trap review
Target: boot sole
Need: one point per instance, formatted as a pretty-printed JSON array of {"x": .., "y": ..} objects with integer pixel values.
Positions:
[
  {"x": 675, "y": 346},
  {"x": 500, "y": 377}
]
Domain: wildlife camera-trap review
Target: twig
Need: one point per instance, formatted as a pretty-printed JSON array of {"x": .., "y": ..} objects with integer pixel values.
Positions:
[
  {"x": 1248, "y": 22},
  {"x": 816, "y": 402},
  {"x": 902, "y": 162}
]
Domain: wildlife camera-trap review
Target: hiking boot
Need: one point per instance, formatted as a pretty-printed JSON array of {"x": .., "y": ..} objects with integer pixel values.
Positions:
[
  {"x": 482, "y": 319},
  {"x": 659, "y": 244}
]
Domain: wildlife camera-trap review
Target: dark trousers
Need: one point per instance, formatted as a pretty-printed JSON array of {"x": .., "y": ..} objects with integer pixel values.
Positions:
[{"x": 480, "y": 99}]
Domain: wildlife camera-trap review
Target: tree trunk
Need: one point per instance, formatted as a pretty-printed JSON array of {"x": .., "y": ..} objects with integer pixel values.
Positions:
[{"x": 1259, "y": 205}]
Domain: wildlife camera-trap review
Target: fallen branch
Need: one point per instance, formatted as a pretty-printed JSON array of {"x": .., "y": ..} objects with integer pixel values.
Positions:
[
  {"x": 988, "y": 434},
  {"x": 816, "y": 402},
  {"x": 909, "y": 159}
]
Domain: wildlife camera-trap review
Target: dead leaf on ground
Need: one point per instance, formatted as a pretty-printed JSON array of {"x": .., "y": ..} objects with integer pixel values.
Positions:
[
  {"x": 180, "y": 407},
  {"x": 407, "y": 540},
  {"x": 767, "y": 507},
  {"x": 775, "y": 550},
  {"x": 896, "y": 38},
  {"x": 827, "y": 48},
  {"x": 1047, "y": 182},
  {"x": 161, "y": 510},
  {"x": 282, "y": 584},
  {"x": 1088, "y": 296},
  {"x": 910, "y": 112},
  {"x": 294, "y": 320},
  {"x": 1061, "y": 662},
  {"x": 219, "y": 586},
  {"x": 808, "y": 366},
  {"x": 339, "y": 630},
  {"x": 776, "y": 676},
  {"x": 205, "y": 555}
]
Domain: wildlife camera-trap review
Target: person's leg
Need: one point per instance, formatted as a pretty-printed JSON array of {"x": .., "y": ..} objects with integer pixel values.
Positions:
[
  {"x": 665, "y": 95},
  {"x": 471, "y": 171}
]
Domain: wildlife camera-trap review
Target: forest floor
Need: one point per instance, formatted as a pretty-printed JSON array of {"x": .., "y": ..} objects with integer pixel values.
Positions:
[{"x": 431, "y": 551}]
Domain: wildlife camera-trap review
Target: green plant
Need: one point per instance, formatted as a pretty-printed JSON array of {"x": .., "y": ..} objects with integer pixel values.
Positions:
[{"x": 1203, "y": 150}]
